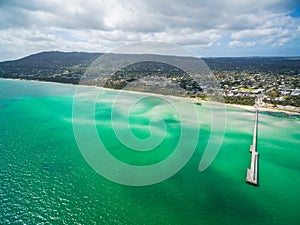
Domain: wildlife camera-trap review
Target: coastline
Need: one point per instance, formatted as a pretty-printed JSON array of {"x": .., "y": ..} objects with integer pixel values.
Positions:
[
  {"x": 244, "y": 107},
  {"x": 264, "y": 109}
]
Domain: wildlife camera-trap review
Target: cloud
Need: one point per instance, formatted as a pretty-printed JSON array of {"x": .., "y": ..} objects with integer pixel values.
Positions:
[
  {"x": 32, "y": 25},
  {"x": 275, "y": 29},
  {"x": 242, "y": 44}
]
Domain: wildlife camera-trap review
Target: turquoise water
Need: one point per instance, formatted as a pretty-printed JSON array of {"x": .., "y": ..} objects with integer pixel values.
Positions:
[{"x": 44, "y": 178}]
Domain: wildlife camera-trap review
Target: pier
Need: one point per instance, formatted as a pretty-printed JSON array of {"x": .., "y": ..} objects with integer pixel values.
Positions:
[{"x": 252, "y": 172}]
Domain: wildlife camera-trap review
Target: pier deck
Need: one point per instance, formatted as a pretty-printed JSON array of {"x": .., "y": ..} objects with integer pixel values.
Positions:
[{"x": 251, "y": 177}]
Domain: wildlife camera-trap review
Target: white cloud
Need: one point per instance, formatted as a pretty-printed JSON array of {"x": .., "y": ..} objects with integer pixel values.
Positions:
[
  {"x": 32, "y": 25},
  {"x": 275, "y": 29},
  {"x": 242, "y": 44}
]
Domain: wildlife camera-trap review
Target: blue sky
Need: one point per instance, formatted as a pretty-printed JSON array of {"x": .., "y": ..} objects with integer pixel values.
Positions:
[{"x": 210, "y": 28}]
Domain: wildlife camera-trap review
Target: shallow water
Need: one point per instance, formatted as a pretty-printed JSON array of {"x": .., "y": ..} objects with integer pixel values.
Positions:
[{"x": 45, "y": 179}]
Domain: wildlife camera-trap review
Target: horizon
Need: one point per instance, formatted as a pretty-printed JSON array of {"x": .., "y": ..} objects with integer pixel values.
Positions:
[
  {"x": 232, "y": 29},
  {"x": 204, "y": 57}
]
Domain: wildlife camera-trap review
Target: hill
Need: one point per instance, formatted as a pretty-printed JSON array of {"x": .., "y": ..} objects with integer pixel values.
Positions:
[{"x": 68, "y": 67}]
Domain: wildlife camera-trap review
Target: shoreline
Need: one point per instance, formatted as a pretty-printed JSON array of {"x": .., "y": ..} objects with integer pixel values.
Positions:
[
  {"x": 264, "y": 109},
  {"x": 244, "y": 107}
]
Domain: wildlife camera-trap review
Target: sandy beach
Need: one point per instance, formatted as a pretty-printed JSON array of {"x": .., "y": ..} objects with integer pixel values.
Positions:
[{"x": 289, "y": 110}]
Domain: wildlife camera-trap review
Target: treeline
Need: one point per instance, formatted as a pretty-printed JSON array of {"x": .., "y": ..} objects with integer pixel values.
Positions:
[
  {"x": 269, "y": 65},
  {"x": 245, "y": 100}
]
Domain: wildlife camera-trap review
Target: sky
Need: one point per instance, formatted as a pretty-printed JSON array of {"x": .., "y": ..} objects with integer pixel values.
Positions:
[{"x": 209, "y": 28}]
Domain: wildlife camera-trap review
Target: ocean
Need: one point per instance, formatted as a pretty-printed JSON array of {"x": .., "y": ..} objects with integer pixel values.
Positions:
[{"x": 46, "y": 178}]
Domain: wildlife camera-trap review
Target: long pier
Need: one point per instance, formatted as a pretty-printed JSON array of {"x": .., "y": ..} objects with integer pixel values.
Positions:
[{"x": 252, "y": 172}]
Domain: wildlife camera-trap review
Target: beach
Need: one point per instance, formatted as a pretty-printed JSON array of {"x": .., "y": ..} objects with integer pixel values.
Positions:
[{"x": 289, "y": 110}]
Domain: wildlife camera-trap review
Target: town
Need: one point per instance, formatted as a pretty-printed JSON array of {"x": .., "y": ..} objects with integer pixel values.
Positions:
[
  {"x": 265, "y": 81},
  {"x": 272, "y": 90}
]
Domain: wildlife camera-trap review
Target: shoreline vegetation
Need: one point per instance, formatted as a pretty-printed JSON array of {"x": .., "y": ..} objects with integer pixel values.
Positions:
[
  {"x": 193, "y": 100},
  {"x": 270, "y": 83}
]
